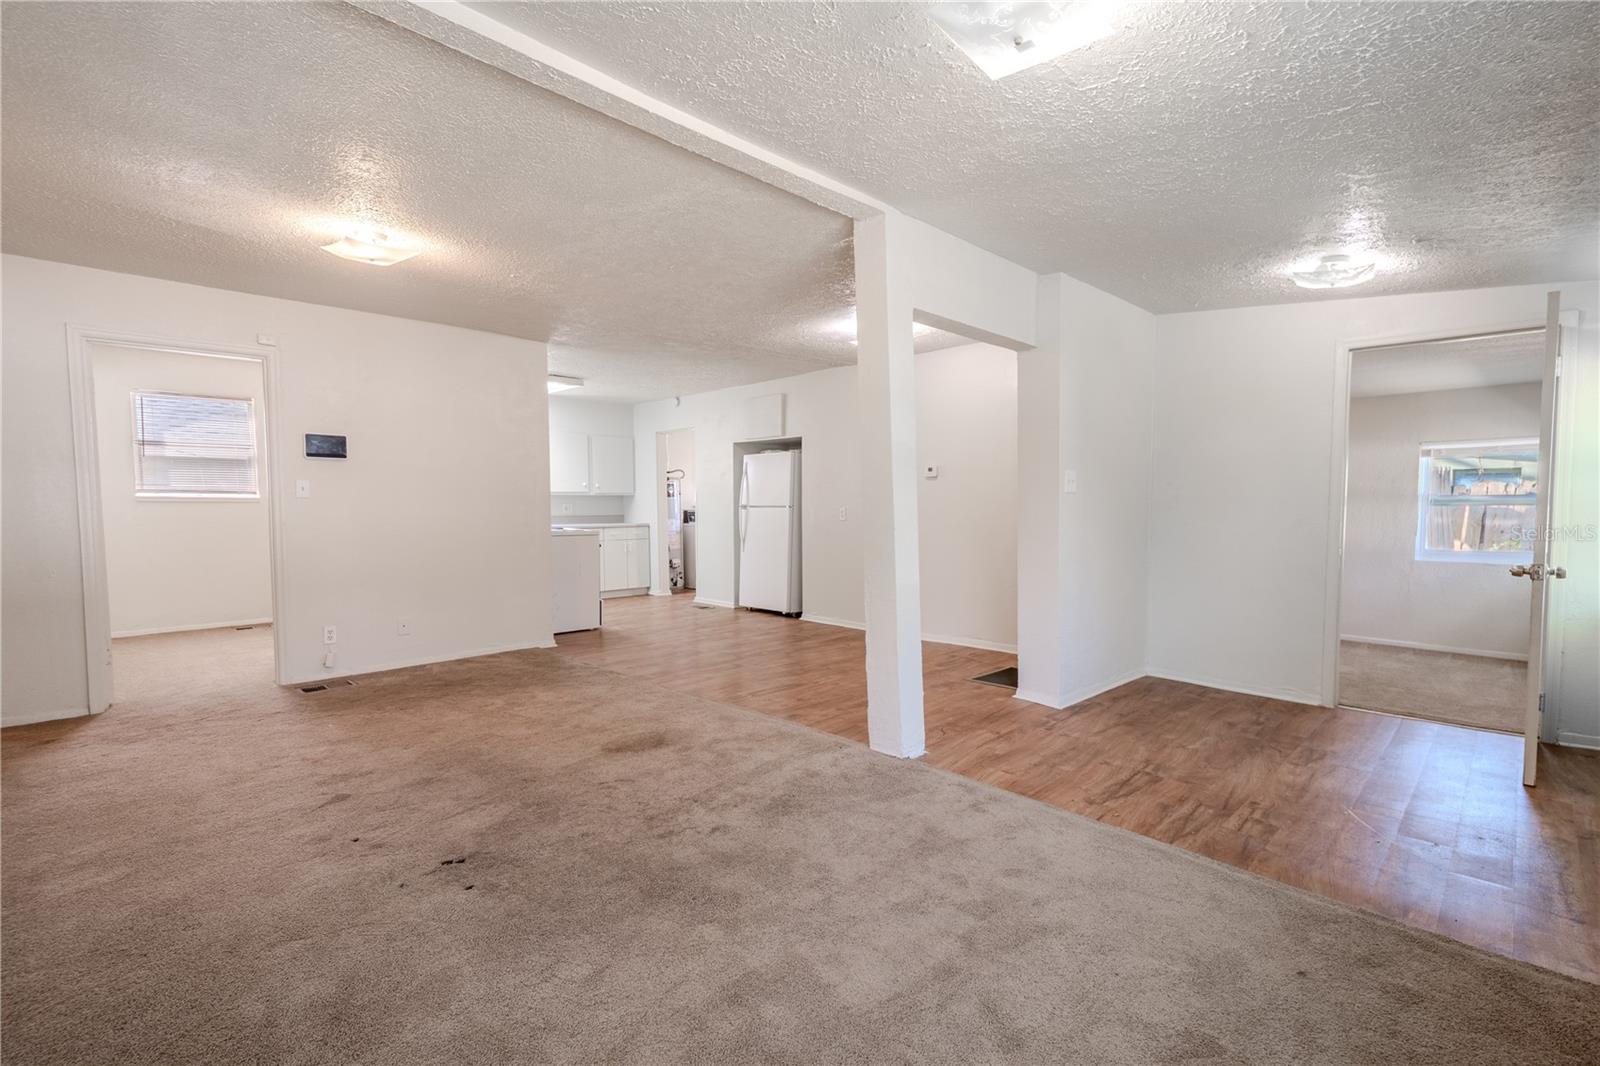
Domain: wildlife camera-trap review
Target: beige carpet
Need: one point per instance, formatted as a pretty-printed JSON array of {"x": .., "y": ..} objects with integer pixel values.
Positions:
[
  {"x": 1460, "y": 689},
  {"x": 525, "y": 860}
]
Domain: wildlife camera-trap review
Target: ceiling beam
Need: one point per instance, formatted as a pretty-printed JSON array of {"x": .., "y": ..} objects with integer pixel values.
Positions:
[{"x": 490, "y": 41}]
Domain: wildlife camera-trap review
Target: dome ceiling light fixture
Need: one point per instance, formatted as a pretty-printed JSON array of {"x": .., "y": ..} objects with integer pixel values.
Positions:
[
  {"x": 1003, "y": 39},
  {"x": 1334, "y": 270},
  {"x": 367, "y": 244}
]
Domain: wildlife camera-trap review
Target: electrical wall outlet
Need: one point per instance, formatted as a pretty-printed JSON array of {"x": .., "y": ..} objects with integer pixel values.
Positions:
[
  {"x": 844, "y": 514},
  {"x": 330, "y": 634},
  {"x": 403, "y": 629}
]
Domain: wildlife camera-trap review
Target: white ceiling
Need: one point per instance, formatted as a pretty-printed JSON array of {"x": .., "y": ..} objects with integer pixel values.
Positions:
[
  {"x": 1182, "y": 162},
  {"x": 216, "y": 144},
  {"x": 1435, "y": 366}
]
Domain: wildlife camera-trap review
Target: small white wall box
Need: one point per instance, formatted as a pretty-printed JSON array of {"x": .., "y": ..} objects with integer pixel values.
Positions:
[
  {"x": 325, "y": 446},
  {"x": 931, "y": 470}
]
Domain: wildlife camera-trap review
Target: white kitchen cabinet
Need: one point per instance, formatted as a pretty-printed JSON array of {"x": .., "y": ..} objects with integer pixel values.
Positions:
[
  {"x": 590, "y": 464},
  {"x": 614, "y": 570},
  {"x": 624, "y": 559},
  {"x": 611, "y": 465},
  {"x": 569, "y": 461}
]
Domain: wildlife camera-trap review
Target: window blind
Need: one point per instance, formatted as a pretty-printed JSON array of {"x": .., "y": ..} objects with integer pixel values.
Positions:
[{"x": 193, "y": 445}]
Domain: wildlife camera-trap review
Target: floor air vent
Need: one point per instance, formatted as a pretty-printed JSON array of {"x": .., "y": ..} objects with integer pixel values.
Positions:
[
  {"x": 241, "y": 629},
  {"x": 313, "y": 688},
  {"x": 1006, "y": 678}
]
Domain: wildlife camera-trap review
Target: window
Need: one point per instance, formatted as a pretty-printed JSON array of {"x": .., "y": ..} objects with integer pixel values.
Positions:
[
  {"x": 196, "y": 446},
  {"x": 1476, "y": 501}
]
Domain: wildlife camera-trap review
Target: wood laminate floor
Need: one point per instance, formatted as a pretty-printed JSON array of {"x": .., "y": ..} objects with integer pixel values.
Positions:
[{"x": 1423, "y": 822}]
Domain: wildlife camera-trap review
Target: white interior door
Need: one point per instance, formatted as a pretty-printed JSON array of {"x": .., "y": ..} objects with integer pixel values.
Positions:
[{"x": 1538, "y": 572}]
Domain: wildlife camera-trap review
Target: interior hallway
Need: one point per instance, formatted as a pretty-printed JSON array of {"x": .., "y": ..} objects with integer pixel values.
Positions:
[
  {"x": 1422, "y": 822},
  {"x": 1470, "y": 690}
]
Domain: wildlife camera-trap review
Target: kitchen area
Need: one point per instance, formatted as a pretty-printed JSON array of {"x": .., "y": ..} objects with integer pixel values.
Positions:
[{"x": 597, "y": 552}]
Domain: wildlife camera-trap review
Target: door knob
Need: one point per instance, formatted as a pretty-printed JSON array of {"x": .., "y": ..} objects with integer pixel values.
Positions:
[
  {"x": 1538, "y": 571},
  {"x": 1557, "y": 571},
  {"x": 1524, "y": 571}
]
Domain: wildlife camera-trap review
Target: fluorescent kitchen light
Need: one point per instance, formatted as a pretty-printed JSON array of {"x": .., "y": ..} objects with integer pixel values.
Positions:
[
  {"x": 371, "y": 246},
  {"x": 561, "y": 383},
  {"x": 1005, "y": 38},
  {"x": 1334, "y": 270}
]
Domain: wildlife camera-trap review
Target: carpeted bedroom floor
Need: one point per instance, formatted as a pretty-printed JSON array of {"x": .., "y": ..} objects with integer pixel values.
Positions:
[
  {"x": 523, "y": 859},
  {"x": 1471, "y": 690}
]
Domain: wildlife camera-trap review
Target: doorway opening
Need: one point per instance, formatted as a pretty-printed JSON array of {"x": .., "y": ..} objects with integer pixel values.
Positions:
[
  {"x": 174, "y": 502},
  {"x": 1441, "y": 515},
  {"x": 676, "y": 514}
]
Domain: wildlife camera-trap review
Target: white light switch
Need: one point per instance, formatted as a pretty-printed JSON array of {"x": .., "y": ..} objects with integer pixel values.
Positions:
[
  {"x": 1069, "y": 481},
  {"x": 302, "y": 488},
  {"x": 403, "y": 629}
]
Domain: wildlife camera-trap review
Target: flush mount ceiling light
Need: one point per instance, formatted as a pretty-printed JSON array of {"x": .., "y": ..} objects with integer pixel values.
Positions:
[
  {"x": 561, "y": 383},
  {"x": 1334, "y": 270},
  {"x": 373, "y": 247},
  {"x": 1005, "y": 38}
]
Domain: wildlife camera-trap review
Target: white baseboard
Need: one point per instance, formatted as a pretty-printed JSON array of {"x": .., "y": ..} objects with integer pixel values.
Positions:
[
  {"x": 1064, "y": 700},
  {"x": 824, "y": 620},
  {"x": 960, "y": 642},
  {"x": 1289, "y": 695},
  {"x": 617, "y": 594},
  {"x": 970, "y": 642},
  {"x": 699, "y": 599},
  {"x": 1578, "y": 740},
  {"x": 189, "y": 629},
  {"x": 35, "y": 717},
  {"x": 1415, "y": 646},
  {"x": 425, "y": 660}
]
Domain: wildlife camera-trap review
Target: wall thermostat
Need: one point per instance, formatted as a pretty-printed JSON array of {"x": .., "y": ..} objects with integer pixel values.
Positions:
[{"x": 325, "y": 446}]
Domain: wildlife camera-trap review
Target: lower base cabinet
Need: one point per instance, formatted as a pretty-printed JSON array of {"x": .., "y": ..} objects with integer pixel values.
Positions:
[{"x": 624, "y": 559}]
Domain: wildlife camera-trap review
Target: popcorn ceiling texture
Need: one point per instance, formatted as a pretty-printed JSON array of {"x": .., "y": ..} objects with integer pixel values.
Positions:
[
  {"x": 221, "y": 144},
  {"x": 1182, "y": 162}
]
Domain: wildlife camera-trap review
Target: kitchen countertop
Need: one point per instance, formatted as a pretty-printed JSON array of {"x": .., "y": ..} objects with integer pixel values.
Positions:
[{"x": 600, "y": 525}]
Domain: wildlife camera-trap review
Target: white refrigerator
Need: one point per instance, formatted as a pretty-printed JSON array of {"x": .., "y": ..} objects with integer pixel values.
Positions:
[{"x": 769, "y": 532}]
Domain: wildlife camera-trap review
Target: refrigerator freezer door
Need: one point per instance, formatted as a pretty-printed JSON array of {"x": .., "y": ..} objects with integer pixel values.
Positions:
[
  {"x": 768, "y": 479},
  {"x": 764, "y": 555}
]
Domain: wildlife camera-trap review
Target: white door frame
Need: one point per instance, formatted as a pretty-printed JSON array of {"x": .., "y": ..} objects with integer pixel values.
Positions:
[
  {"x": 1338, "y": 478},
  {"x": 86, "y": 467}
]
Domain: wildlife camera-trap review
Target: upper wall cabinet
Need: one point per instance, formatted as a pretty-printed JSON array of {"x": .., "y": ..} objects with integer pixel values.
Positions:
[
  {"x": 569, "y": 461},
  {"x": 611, "y": 465},
  {"x": 584, "y": 464}
]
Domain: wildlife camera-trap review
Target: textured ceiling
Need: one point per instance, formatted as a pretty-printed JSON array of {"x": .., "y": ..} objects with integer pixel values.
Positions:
[
  {"x": 217, "y": 144},
  {"x": 1182, "y": 162},
  {"x": 1434, "y": 366}
]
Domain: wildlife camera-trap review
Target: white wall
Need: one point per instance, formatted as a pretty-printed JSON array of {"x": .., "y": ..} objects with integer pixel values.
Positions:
[
  {"x": 573, "y": 414},
  {"x": 176, "y": 563},
  {"x": 967, "y": 516},
  {"x": 438, "y": 516},
  {"x": 1238, "y": 585},
  {"x": 1389, "y": 595},
  {"x": 1084, "y": 410},
  {"x": 979, "y": 603}
]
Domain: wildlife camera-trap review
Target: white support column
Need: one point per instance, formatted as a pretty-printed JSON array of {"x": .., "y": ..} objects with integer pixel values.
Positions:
[
  {"x": 1043, "y": 380},
  {"x": 886, "y": 372}
]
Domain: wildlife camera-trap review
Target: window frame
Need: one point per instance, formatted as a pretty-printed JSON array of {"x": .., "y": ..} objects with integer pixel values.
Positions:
[
  {"x": 1425, "y": 500},
  {"x": 222, "y": 497}
]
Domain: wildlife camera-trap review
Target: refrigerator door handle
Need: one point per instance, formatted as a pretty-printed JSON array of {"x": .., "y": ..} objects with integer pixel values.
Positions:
[{"x": 744, "y": 503}]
